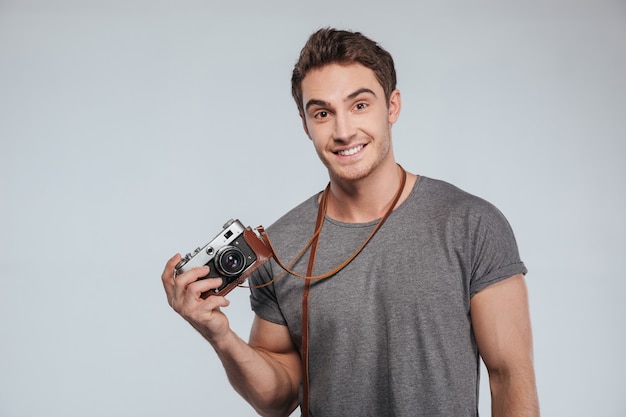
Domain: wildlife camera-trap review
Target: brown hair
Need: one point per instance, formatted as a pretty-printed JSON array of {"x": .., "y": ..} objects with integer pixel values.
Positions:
[{"x": 327, "y": 46}]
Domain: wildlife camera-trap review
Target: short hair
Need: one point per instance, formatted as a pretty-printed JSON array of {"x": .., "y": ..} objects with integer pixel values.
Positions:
[{"x": 327, "y": 46}]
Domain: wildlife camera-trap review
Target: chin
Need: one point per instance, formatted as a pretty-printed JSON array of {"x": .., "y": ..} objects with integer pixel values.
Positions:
[
  {"x": 359, "y": 169},
  {"x": 350, "y": 173}
]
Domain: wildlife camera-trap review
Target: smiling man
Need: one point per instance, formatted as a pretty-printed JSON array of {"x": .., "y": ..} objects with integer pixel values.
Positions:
[
  {"x": 348, "y": 118},
  {"x": 410, "y": 279}
]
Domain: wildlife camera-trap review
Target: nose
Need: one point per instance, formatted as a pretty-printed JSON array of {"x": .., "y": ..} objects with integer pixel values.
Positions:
[{"x": 345, "y": 128}]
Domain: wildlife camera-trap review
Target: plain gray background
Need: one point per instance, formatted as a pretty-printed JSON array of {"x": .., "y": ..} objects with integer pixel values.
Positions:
[{"x": 132, "y": 130}]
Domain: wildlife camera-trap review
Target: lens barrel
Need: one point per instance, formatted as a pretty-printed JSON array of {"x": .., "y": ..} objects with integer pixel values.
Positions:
[{"x": 230, "y": 261}]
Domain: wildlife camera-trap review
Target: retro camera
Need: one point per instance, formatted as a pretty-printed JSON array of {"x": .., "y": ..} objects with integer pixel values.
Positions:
[{"x": 232, "y": 255}]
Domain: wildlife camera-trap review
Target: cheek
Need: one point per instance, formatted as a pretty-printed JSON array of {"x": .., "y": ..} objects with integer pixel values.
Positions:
[
  {"x": 318, "y": 134},
  {"x": 376, "y": 129},
  {"x": 320, "y": 150},
  {"x": 319, "y": 146}
]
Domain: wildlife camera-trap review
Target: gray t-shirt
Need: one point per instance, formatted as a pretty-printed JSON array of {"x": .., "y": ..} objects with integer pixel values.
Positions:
[{"x": 390, "y": 334}]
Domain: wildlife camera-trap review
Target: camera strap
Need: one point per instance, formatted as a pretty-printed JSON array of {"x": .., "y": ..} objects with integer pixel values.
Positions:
[
  {"x": 321, "y": 214},
  {"x": 309, "y": 277},
  {"x": 305, "y": 310}
]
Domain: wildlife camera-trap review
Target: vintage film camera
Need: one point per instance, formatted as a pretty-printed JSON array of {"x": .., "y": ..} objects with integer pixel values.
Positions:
[{"x": 232, "y": 255}]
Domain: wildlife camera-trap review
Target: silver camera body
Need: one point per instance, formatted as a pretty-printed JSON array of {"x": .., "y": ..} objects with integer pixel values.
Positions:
[{"x": 228, "y": 256}]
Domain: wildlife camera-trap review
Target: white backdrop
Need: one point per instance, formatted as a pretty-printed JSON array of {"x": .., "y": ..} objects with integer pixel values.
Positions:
[{"x": 131, "y": 130}]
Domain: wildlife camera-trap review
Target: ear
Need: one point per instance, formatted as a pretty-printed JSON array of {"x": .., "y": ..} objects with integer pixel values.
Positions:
[
  {"x": 304, "y": 126},
  {"x": 395, "y": 104}
]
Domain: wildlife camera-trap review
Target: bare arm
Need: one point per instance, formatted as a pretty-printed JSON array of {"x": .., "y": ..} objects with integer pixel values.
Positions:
[
  {"x": 501, "y": 323},
  {"x": 265, "y": 371}
]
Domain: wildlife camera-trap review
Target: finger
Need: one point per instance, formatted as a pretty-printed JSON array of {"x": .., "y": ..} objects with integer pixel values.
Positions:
[
  {"x": 216, "y": 301},
  {"x": 181, "y": 283},
  {"x": 200, "y": 308},
  {"x": 196, "y": 305},
  {"x": 200, "y": 314},
  {"x": 167, "y": 277},
  {"x": 198, "y": 288},
  {"x": 168, "y": 271},
  {"x": 192, "y": 275}
]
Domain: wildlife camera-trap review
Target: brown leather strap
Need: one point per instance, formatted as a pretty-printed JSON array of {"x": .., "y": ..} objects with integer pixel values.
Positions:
[
  {"x": 305, "y": 348},
  {"x": 287, "y": 268},
  {"x": 318, "y": 228},
  {"x": 321, "y": 213}
]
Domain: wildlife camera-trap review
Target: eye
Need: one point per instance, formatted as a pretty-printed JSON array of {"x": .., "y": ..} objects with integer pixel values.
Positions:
[
  {"x": 361, "y": 106},
  {"x": 322, "y": 114}
]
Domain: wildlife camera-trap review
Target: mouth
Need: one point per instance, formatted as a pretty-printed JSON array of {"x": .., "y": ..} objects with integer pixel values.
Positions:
[{"x": 351, "y": 151}]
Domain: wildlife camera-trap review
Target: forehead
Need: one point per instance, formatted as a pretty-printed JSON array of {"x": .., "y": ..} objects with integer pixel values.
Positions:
[{"x": 335, "y": 82}]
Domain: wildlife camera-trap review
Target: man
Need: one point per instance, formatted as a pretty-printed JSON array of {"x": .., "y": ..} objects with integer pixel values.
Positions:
[{"x": 399, "y": 329}]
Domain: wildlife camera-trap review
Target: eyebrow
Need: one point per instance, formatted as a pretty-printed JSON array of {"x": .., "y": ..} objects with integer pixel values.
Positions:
[
  {"x": 359, "y": 92},
  {"x": 316, "y": 102}
]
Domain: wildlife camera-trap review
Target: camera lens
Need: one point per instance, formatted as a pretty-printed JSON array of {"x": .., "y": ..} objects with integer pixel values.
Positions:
[{"x": 230, "y": 261}]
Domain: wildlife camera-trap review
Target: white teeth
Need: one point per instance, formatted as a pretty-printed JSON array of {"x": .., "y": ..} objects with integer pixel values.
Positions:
[{"x": 352, "y": 151}]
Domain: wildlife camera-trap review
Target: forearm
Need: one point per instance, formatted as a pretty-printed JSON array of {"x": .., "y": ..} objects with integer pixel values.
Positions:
[
  {"x": 513, "y": 394},
  {"x": 259, "y": 377},
  {"x": 265, "y": 372}
]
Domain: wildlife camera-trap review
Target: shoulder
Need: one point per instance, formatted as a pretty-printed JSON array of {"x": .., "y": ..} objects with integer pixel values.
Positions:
[
  {"x": 457, "y": 209},
  {"x": 296, "y": 219},
  {"x": 445, "y": 197}
]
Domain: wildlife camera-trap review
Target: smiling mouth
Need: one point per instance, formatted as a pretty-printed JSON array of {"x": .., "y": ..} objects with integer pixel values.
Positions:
[{"x": 351, "y": 151}]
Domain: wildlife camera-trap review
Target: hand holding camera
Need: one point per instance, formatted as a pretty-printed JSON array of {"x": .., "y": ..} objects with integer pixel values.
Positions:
[{"x": 232, "y": 256}]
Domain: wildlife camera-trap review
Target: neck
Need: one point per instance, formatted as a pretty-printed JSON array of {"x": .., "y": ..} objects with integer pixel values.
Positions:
[{"x": 369, "y": 198}]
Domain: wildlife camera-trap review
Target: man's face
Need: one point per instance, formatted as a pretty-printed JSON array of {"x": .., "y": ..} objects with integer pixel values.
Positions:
[{"x": 347, "y": 117}]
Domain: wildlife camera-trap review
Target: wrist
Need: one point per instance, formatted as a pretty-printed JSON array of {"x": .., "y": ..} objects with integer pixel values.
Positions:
[{"x": 225, "y": 341}]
